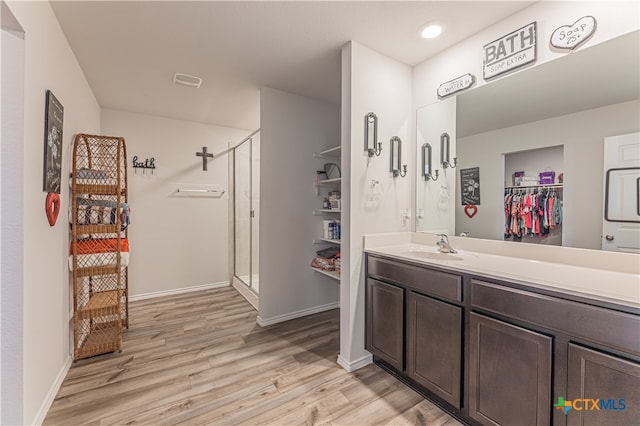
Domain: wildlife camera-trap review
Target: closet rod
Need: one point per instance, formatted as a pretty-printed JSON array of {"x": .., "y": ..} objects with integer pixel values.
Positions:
[{"x": 551, "y": 185}]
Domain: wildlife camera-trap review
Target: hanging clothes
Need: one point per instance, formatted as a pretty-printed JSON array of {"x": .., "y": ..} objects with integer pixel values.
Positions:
[{"x": 530, "y": 213}]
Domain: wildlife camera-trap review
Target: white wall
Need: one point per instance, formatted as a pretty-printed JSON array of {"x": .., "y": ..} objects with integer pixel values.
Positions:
[
  {"x": 11, "y": 250},
  {"x": 371, "y": 83},
  {"x": 50, "y": 64},
  {"x": 582, "y": 136},
  {"x": 177, "y": 240},
  {"x": 292, "y": 127}
]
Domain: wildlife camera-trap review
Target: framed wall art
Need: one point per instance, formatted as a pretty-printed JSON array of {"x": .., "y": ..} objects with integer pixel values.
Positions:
[{"x": 52, "y": 168}]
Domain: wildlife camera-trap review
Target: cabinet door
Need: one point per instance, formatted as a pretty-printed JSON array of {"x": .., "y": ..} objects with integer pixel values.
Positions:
[
  {"x": 615, "y": 382},
  {"x": 509, "y": 373},
  {"x": 385, "y": 319},
  {"x": 434, "y": 343}
]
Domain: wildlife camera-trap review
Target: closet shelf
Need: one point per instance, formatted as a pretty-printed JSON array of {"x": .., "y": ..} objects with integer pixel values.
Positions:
[
  {"x": 326, "y": 240},
  {"x": 330, "y": 181},
  {"x": 325, "y": 211},
  {"x": 331, "y": 152},
  {"x": 331, "y": 274}
]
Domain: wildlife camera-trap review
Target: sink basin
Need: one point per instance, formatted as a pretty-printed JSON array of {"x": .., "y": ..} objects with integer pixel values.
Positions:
[{"x": 433, "y": 255}]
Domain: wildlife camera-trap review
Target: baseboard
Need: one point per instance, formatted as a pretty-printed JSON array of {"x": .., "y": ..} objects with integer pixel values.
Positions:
[
  {"x": 53, "y": 391},
  {"x": 178, "y": 291},
  {"x": 244, "y": 291},
  {"x": 354, "y": 365},
  {"x": 293, "y": 315}
]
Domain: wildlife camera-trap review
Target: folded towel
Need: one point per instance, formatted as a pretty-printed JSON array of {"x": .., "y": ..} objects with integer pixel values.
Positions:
[
  {"x": 101, "y": 212},
  {"x": 85, "y": 173},
  {"x": 106, "y": 245}
]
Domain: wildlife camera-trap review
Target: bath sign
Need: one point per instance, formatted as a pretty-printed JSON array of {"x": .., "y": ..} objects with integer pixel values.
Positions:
[
  {"x": 570, "y": 36},
  {"x": 509, "y": 52},
  {"x": 456, "y": 85}
]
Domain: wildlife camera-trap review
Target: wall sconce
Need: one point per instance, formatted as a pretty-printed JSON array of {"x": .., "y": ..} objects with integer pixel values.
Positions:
[
  {"x": 371, "y": 135},
  {"x": 396, "y": 158},
  {"x": 426, "y": 164},
  {"x": 444, "y": 152}
]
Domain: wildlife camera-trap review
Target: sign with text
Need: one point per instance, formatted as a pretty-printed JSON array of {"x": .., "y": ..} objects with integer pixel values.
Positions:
[
  {"x": 570, "y": 36},
  {"x": 510, "y": 52},
  {"x": 470, "y": 186},
  {"x": 456, "y": 85}
]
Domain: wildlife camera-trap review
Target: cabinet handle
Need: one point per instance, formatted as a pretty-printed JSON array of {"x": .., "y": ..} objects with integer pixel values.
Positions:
[{"x": 609, "y": 237}]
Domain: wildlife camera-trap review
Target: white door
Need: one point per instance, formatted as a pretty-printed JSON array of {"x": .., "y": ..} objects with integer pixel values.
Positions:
[{"x": 621, "y": 220}]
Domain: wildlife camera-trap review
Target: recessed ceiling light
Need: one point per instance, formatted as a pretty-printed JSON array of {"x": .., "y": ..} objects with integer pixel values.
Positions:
[{"x": 432, "y": 30}]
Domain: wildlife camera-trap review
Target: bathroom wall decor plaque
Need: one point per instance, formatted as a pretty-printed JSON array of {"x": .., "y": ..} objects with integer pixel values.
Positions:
[
  {"x": 470, "y": 186},
  {"x": 456, "y": 85},
  {"x": 571, "y": 36},
  {"x": 52, "y": 168},
  {"x": 511, "y": 51}
]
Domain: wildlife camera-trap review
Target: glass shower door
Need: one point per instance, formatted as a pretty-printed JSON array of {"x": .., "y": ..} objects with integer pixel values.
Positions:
[{"x": 246, "y": 171}]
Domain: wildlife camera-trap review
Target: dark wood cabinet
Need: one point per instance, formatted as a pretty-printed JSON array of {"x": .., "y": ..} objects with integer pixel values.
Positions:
[
  {"x": 493, "y": 352},
  {"x": 509, "y": 373},
  {"x": 385, "y": 322},
  {"x": 434, "y": 346},
  {"x": 613, "y": 381}
]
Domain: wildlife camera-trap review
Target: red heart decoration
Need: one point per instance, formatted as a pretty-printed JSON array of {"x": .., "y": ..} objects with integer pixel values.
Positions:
[
  {"x": 52, "y": 207},
  {"x": 470, "y": 210}
]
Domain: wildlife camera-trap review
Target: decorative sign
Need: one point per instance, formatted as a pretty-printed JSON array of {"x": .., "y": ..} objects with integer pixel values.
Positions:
[
  {"x": 470, "y": 186},
  {"x": 570, "y": 36},
  {"x": 456, "y": 85},
  {"x": 510, "y": 52},
  {"x": 148, "y": 163},
  {"x": 52, "y": 168},
  {"x": 470, "y": 210}
]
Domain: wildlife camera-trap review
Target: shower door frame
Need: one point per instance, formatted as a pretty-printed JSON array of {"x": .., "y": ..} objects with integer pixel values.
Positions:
[{"x": 248, "y": 285}]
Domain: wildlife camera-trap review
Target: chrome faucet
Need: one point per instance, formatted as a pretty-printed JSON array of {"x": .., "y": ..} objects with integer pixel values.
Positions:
[{"x": 443, "y": 244}]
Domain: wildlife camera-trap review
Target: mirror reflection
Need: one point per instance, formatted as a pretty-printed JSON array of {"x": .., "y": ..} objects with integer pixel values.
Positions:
[{"x": 554, "y": 121}]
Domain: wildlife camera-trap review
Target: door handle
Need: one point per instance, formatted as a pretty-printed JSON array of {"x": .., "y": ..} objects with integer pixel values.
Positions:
[{"x": 609, "y": 238}]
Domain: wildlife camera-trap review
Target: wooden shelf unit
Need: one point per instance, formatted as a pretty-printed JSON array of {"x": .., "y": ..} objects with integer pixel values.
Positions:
[{"x": 100, "y": 278}]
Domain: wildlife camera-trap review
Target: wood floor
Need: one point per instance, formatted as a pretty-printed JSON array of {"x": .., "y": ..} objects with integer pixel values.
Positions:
[{"x": 200, "y": 358}]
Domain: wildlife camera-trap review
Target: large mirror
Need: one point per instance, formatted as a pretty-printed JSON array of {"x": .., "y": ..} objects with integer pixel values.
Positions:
[{"x": 564, "y": 108}]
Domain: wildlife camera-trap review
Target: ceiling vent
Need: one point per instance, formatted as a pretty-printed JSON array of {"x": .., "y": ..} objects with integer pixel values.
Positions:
[{"x": 187, "y": 80}]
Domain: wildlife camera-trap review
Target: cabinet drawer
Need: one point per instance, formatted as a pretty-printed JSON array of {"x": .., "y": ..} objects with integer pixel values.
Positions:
[
  {"x": 614, "y": 329},
  {"x": 436, "y": 283}
]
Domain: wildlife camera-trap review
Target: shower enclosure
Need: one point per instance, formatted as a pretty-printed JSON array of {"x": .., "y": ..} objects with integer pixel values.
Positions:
[{"x": 246, "y": 213}]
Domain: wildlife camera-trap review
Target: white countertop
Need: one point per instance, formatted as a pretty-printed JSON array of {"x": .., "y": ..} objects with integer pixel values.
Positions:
[{"x": 602, "y": 276}]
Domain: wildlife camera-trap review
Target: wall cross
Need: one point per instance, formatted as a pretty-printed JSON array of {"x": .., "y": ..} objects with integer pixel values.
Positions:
[{"x": 204, "y": 154}]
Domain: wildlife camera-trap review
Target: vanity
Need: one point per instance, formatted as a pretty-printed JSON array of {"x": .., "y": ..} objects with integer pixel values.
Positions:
[{"x": 498, "y": 333}]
